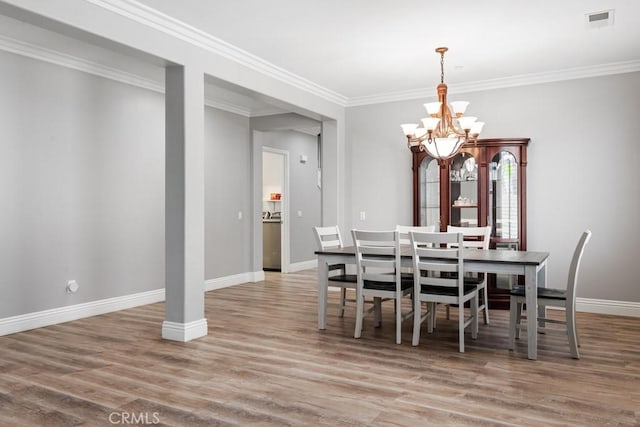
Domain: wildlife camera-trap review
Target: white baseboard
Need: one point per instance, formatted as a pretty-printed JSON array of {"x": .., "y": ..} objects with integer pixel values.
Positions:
[
  {"x": 600, "y": 306},
  {"x": 304, "y": 265},
  {"x": 39, "y": 319},
  {"x": 236, "y": 279},
  {"x": 257, "y": 276},
  {"x": 184, "y": 332},
  {"x": 24, "y": 322}
]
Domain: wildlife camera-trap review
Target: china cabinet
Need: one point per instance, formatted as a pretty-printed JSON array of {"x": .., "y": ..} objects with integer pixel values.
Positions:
[{"x": 484, "y": 184}]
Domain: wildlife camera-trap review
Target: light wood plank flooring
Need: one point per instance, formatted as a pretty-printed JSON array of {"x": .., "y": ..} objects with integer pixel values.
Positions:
[{"x": 264, "y": 363}]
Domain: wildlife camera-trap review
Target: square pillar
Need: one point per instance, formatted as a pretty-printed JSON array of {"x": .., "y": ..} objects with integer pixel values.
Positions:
[{"x": 184, "y": 204}]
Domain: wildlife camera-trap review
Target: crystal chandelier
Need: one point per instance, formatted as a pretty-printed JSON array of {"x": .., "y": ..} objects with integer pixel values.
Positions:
[{"x": 443, "y": 132}]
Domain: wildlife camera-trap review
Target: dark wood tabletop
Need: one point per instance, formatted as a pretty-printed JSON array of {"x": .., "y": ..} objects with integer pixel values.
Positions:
[{"x": 490, "y": 255}]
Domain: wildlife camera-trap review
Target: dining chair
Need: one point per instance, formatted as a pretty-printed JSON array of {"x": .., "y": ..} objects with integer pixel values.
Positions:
[
  {"x": 476, "y": 238},
  {"x": 404, "y": 231},
  {"x": 565, "y": 298},
  {"x": 329, "y": 238},
  {"x": 438, "y": 269},
  {"x": 379, "y": 276},
  {"x": 405, "y": 240}
]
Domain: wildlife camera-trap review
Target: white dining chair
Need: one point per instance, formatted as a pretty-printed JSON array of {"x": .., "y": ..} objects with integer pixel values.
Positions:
[
  {"x": 329, "y": 238},
  {"x": 565, "y": 298},
  {"x": 476, "y": 238},
  {"x": 379, "y": 276},
  {"x": 405, "y": 240},
  {"x": 438, "y": 269},
  {"x": 404, "y": 230}
]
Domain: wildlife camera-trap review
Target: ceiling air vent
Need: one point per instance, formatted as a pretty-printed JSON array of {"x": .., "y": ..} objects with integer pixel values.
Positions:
[{"x": 599, "y": 19}]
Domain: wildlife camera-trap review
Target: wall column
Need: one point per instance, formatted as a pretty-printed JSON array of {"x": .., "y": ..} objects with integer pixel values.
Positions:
[
  {"x": 331, "y": 192},
  {"x": 184, "y": 204}
]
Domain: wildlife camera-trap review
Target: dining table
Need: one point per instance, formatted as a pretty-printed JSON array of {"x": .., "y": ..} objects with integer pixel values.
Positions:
[{"x": 531, "y": 265}]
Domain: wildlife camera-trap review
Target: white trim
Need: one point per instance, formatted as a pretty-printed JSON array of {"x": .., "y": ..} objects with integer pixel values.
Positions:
[
  {"x": 30, "y": 50},
  {"x": 39, "y": 319},
  {"x": 58, "y": 58},
  {"x": 285, "y": 240},
  {"x": 55, "y": 57},
  {"x": 304, "y": 265},
  {"x": 226, "y": 106},
  {"x": 600, "y": 306},
  {"x": 258, "y": 276},
  {"x": 236, "y": 279},
  {"x": 157, "y": 20},
  {"x": 506, "y": 82},
  {"x": 184, "y": 332}
]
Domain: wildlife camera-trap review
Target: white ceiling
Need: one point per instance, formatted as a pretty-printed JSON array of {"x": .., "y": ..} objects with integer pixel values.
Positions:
[{"x": 362, "y": 48}]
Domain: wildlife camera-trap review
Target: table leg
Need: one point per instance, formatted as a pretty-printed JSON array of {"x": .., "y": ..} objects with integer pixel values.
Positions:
[
  {"x": 323, "y": 279},
  {"x": 542, "y": 283},
  {"x": 531, "y": 292}
]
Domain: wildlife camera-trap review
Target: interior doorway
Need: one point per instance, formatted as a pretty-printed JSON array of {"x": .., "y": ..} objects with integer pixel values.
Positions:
[{"x": 275, "y": 209}]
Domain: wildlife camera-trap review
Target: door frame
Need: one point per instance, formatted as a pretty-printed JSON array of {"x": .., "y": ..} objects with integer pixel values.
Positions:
[{"x": 284, "y": 235}]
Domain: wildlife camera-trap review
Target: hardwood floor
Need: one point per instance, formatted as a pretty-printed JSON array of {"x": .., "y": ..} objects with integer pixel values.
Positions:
[{"x": 264, "y": 363}]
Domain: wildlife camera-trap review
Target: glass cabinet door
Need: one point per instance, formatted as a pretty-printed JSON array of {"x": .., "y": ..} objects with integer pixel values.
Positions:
[
  {"x": 430, "y": 192},
  {"x": 503, "y": 196},
  {"x": 463, "y": 190}
]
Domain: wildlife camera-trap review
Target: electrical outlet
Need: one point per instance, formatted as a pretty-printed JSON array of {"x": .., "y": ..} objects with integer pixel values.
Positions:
[
  {"x": 299, "y": 214},
  {"x": 72, "y": 287},
  {"x": 363, "y": 216},
  {"x": 239, "y": 214}
]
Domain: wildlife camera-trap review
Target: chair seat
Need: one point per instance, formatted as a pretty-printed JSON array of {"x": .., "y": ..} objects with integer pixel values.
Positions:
[
  {"x": 386, "y": 286},
  {"x": 559, "y": 294},
  {"x": 344, "y": 278},
  {"x": 445, "y": 290}
]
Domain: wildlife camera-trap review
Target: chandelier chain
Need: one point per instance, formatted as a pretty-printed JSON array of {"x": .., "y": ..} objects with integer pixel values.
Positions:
[{"x": 442, "y": 67}]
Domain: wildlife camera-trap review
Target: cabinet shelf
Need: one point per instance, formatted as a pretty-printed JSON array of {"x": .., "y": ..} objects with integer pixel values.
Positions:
[{"x": 464, "y": 206}]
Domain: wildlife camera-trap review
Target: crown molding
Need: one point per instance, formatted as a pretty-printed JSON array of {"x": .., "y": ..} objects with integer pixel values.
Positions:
[
  {"x": 157, "y": 20},
  {"x": 231, "y": 108},
  {"x": 171, "y": 26},
  {"x": 506, "y": 82},
  {"x": 19, "y": 47},
  {"x": 40, "y": 53}
]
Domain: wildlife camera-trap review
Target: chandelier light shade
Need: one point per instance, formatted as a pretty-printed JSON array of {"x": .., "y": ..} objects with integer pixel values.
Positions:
[{"x": 446, "y": 128}]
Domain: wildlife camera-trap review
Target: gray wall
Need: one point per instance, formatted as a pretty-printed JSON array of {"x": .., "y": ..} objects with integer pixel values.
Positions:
[
  {"x": 82, "y": 188},
  {"x": 228, "y": 186},
  {"x": 582, "y": 171},
  {"x": 303, "y": 189},
  {"x": 81, "y": 185}
]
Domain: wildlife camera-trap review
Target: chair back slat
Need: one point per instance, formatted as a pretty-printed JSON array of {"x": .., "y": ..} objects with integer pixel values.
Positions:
[
  {"x": 378, "y": 263},
  {"x": 437, "y": 252},
  {"x": 443, "y": 266}
]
